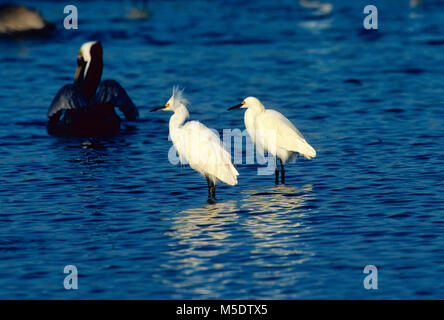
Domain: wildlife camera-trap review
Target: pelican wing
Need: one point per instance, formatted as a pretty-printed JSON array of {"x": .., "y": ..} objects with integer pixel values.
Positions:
[
  {"x": 110, "y": 91},
  {"x": 287, "y": 135},
  {"x": 203, "y": 151},
  {"x": 68, "y": 98}
]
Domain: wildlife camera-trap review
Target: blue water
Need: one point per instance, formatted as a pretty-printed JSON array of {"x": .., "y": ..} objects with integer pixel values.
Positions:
[{"x": 138, "y": 227}]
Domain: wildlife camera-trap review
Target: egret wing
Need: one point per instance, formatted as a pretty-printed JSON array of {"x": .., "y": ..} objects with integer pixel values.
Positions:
[
  {"x": 205, "y": 153},
  {"x": 287, "y": 136},
  {"x": 110, "y": 91}
]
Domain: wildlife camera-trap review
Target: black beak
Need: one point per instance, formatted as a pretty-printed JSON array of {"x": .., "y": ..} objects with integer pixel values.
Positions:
[
  {"x": 158, "y": 108},
  {"x": 236, "y": 106}
]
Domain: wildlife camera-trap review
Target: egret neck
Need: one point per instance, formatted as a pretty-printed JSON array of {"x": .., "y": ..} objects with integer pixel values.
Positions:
[
  {"x": 250, "y": 118},
  {"x": 178, "y": 118}
]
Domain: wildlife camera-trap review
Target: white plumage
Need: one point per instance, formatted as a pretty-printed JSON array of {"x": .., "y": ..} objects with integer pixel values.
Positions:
[
  {"x": 198, "y": 145},
  {"x": 202, "y": 149},
  {"x": 85, "y": 52},
  {"x": 273, "y": 132}
]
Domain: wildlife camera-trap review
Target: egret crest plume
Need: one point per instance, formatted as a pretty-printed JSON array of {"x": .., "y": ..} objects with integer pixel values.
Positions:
[{"x": 178, "y": 97}]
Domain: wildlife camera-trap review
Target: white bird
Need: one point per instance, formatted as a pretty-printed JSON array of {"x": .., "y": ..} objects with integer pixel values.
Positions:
[
  {"x": 273, "y": 132},
  {"x": 198, "y": 145}
]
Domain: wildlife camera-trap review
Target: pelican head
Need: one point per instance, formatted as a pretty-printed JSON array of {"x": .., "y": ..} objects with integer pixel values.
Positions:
[
  {"x": 89, "y": 67},
  {"x": 174, "y": 102},
  {"x": 250, "y": 103}
]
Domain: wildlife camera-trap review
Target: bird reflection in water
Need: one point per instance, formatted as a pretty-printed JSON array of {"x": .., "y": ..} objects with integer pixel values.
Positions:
[
  {"x": 204, "y": 242},
  {"x": 205, "y": 229},
  {"x": 277, "y": 221},
  {"x": 274, "y": 215},
  {"x": 277, "y": 198},
  {"x": 261, "y": 231}
]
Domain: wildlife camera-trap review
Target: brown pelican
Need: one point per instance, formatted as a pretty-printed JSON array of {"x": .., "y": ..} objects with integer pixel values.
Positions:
[
  {"x": 79, "y": 109},
  {"x": 16, "y": 20}
]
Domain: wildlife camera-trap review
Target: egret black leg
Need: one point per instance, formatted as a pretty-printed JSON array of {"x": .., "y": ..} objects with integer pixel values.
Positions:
[
  {"x": 282, "y": 172},
  {"x": 276, "y": 171},
  {"x": 214, "y": 191},
  {"x": 209, "y": 188}
]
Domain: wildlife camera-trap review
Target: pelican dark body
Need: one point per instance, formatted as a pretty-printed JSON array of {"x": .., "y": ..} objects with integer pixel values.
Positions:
[{"x": 80, "y": 110}]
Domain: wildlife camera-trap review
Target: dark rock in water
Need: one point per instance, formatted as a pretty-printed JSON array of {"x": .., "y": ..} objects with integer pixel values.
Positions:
[
  {"x": 395, "y": 110},
  {"x": 16, "y": 21},
  {"x": 353, "y": 81},
  {"x": 435, "y": 42}
]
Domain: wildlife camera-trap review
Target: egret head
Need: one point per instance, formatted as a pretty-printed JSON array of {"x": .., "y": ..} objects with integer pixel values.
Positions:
[
  {"x": 89, "y": 67},
  {"x": 176, "y": 100},
  {"x": 250, "y": 102}
]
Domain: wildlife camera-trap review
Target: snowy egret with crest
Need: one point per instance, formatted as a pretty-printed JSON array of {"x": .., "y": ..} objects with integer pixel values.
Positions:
[
  {"x": 272, "y": 131},
  {"x": 198, "y": 145}
]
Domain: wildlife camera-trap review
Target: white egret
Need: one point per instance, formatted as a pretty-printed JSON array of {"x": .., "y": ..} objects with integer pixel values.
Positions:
[
  {"x": 198, "y": 145},
  {"x": 273, "y": 132}
]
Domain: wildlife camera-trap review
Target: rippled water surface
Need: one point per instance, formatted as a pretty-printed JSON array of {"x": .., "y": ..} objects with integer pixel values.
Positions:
[{"x": 136, "y": 226}]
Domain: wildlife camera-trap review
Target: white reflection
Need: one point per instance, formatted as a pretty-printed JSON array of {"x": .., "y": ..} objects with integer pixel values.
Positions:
[
  {"x": 202, "y": 227},
  {"x": 415, "y": 3},
  {"x": 203, "y": 235},
  {"x": 256, "y": 235},
  {"x": 322, "y": 8},
  {"x": 282, "y": 198},
  {"x": 276, "y": 221}
]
